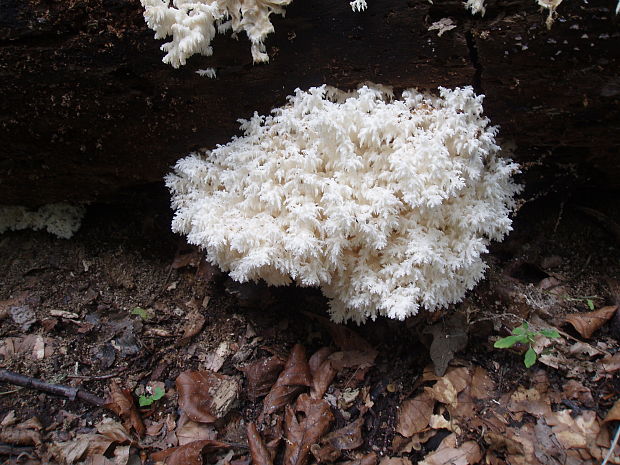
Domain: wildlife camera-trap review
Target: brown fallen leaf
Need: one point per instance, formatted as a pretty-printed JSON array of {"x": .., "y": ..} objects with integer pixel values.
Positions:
[
  {"x": 449, "y": 337},
  {"x": 614, "y": 412},
  {"x": 32, "y": 423},
  {"x": 368, "y": 459},
  {"x": 273, "y": 434},
  {"x": 447, "y": 388},
  {"x": 348, "y": 437},
  {"x": 353, "y": 359},
  {"x": 121, "y": 402},
  {"x": 193, "y": 325},
  {"x": 395, "y": 461},
  {"x": 402, "y": 444},
  {"x": 325, "y": 453},
  {"x": 81, "y": 447},
  {"x": 611, "y": 364},
  {"x": 121, "y": 455},
  {"x": 97, "y": 459},
  {"x": 69, "y": 452},
  {"x": 530, "y": 401},
  {"x": 482, "y": 386},
  {"x": 31, "y": 346},
  {"x": 206, "y": 396},
  {"x": 189, "y": 454},
  {"x": 469, "y": 453},
  {"x": 414, "y": 414},
  {"x": 587, "y": 323},
  {"x": 294, "y": 379},
  {"x": 114, "y": 431},
  {"x": 302, "y": 434},
  {"x": 262, "y": 375},
  {"x": 573, "y": 389},
  {"x": 258, "y": 449},
  {"x": 190, "y": 431},
  {"x": 323, "y": 373},
  {"x": 20, "y": 437},
  {"x": 578, "y": 431}
]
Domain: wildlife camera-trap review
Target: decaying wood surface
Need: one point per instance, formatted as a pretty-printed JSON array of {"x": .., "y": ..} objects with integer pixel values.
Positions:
[{"x": 88, "y": 109}]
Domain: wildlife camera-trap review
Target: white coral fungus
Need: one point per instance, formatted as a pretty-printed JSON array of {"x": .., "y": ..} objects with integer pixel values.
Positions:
[
  {"x": 386, "y": 205},
  {"x": 59, "y": 219},
  {"x": 193, "y": 24}
]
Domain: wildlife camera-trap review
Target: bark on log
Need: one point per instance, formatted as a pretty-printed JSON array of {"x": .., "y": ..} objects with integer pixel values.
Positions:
[{"x": 88, "y": 108}]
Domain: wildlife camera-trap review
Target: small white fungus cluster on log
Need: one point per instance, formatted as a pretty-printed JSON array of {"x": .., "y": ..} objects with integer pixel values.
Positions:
[
  {"x": 386, "y": 205},
  {"x": 60, "y": 219},
  {"x": 193, "y": 24}
]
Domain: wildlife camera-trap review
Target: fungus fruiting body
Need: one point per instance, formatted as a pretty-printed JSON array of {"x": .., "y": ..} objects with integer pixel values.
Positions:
[{"x": 386, "y": 205}]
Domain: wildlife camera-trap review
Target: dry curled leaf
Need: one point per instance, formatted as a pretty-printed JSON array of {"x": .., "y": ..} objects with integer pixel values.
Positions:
[
  {"x": 82, "y": 446},
  {"x": 368, "y": 459},
  {"x": 302, "y": 434},
  {"x": 469, "y": 453},
  {"x": 323, "y": 373},
  {"x": 449, "y": 337},
  {"x": 587, "y": 323},
  {"x": 447, "y": 388},
  {"x": 205, "y": 396},
  {"x": 121, "y": 402},
  {"x": 414, "y": 414},
  {"x": 325, "y": 453},
  {"x": 190, "y": 431},
  {"x": 348, "y": 437},
  {"x": 20, "y": 437},
  {"x": 353, "y": 359},
  {"x": 193, "y": 325},
  {"x": 614, "y": 413},
  {"x": 113, "y": 430},
  {"x": 258, "y": 449},
  {"x": 294, "y": 379},
  {"x": 482, "y": 386},
  {"x": 189, "y": 454},
  {"x": 261, "y": 375}
]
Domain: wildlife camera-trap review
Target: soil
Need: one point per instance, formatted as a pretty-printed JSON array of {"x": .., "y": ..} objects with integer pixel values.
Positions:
[{"x": 557, "y": 261}]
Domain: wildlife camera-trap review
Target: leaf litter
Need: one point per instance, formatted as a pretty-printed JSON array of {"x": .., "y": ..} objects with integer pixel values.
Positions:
[{"x": 291, "y": 408}]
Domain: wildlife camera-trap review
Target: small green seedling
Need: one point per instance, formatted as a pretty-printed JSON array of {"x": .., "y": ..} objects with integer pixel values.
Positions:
[
  {"x": 589, "y": 300},
  {"x": 145, "y": 401},
  {"x": 524, "y": 335},
  {"x": 142, "y": 313}
]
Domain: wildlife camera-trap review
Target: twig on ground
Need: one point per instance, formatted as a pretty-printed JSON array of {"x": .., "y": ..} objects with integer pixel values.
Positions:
[
  {"x": 98, "y": 377},
  {"x": 612, "y": 446},
  {"x": 57, "y": 389},
  {"x": 12, "y": 391}
]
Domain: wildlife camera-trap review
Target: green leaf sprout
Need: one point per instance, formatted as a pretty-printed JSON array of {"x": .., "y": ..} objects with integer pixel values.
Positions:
[
  {"x": 145, "y": 401},
  {"x": 524, "y": 335}
]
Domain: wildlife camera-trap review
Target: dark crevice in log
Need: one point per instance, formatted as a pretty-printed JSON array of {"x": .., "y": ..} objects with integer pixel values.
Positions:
[{"x": 475, "y": 61}]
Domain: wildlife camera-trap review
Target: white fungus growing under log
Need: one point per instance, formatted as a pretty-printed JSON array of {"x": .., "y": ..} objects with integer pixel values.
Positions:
[{"x": 386, "y": 205}]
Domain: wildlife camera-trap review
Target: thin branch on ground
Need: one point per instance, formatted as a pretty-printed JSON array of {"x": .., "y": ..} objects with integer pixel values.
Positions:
[
  {"x": 98, "y": 377},
  {"x": 612, "y": 446},
  {"x": 69, "y": 392}
]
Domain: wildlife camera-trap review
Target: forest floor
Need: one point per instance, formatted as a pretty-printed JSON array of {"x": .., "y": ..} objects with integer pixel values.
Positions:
[{"x": 229, "y": 373}]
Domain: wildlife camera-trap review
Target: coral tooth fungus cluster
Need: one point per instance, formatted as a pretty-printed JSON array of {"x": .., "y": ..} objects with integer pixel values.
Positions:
[{"x": 387, "y": 205}]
